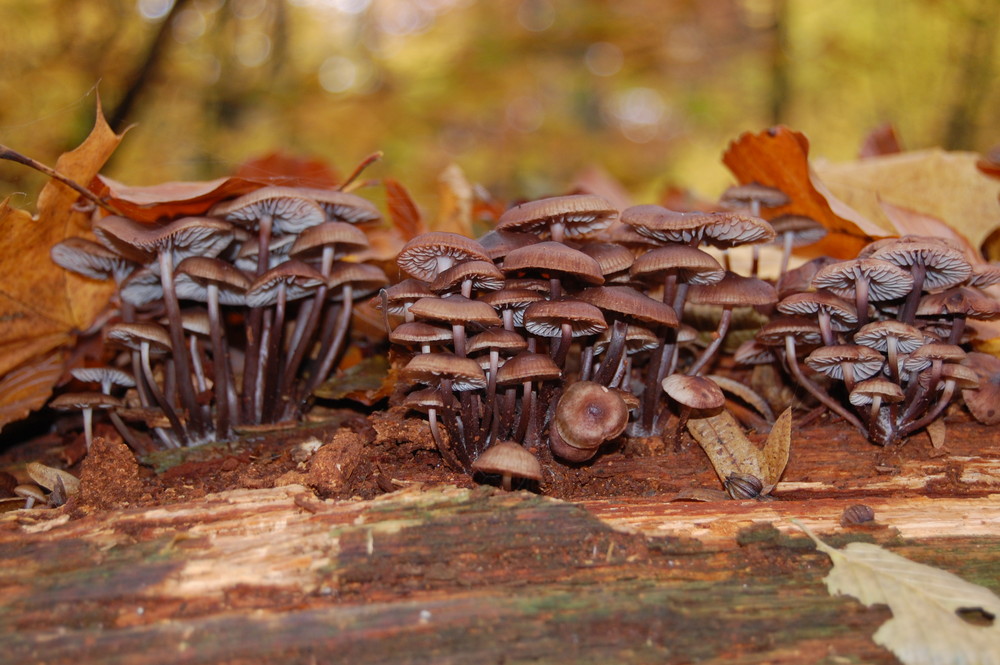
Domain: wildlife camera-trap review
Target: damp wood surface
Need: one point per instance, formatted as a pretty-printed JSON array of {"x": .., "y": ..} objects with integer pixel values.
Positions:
[{"x": 439, "y": 573}]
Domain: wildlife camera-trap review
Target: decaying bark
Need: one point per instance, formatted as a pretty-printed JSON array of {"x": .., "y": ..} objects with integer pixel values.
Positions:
[{"x": 437, "y": 574}]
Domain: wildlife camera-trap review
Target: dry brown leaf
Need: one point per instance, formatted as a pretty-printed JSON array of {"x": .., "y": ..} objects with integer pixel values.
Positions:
[
  {"x": 937, "y": 431},
  {"x": 28, "y": 387},
  {"x": 943, "y": 185},
  {"x": 779, "y": 157},
  {"x": 927, "y": 625},
  {"x": 42, "y": 306},
  {"x": 730, "y": 451},
  {"x": 880, "y": 141},
  {"x": 403, "y": 212},
  {"x": 456, "y": 199},
  {"x": 906, "y": 221},
  {"x": 50, "y": 478}
]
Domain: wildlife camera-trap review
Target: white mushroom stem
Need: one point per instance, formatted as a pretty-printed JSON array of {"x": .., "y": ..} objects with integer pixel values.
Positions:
[
  {"x": 220, "y": 358},
  {"x": 158, "y": 395},
  {"x": 786, "y": 251},
  {"x": 340, "y": 334},
  {"x": 88, "y": 425},
  {"x": 182, "y": 365}
]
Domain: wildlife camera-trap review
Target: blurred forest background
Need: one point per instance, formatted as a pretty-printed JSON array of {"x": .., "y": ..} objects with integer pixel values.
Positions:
[{"x": 522, "y": 94}]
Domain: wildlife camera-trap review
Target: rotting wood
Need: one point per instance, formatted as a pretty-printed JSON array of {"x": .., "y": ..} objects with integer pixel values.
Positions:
[{"x": 442, "y": 574}]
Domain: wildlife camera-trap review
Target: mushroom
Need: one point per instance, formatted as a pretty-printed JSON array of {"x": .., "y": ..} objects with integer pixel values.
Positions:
[
  {"x": 559, "y": 217},
  {"x": 587, "y": 414},
  {"x": 429, "y": 254},
  {"x": 864, "y": 280},
  {"x": 873, "y": 393},
  {"x": 984, "y": 401},
  {"x": 694, "y": 394},
  {"x": 933, "y": 265},
  {"x": 510, "y": 460},
  {"x": 553, "y": 261},
  {"x": 85, "y": 402},
  {"x": 795, "y": 231}
]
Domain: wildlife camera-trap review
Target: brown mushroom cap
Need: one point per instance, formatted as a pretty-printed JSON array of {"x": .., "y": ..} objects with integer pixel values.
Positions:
[
  {"x": 984, "y": 401},
  {"x": 481, "y": 275},
  {"x": 84, "y": 400},
  {"x": 133, "y": 335},
  {"x": 546, "y": 318},
  {"x": 291, "y": 211},
  {"x": 843, "y": 315},
  {"x": 866, "y": 391},
  {"x": 429, "y": 254},
  {"x": 696, "y": 392},
  {"x": 805, "y": 331},
  {"x": 510, "y": 459},
  {"x": 830, "y": 360},
  {"x": 420, "y": 333},
  {"x": 630, "y": 304},
  {"x": 109, "y": 376},
  {"x": 195, "y": 274},
  {"x": 90, "y": 259},
  {"x": 498, "y": 244},
  {"x": 496, "y": 339},
  {"x": 721, "y": 229},
  {"x": 455, "y": 309},
  {"x": 886, "y": 281},
  {"x": 925, "y": 356},
  {"x": 525, "y": 367},
  {"x": 588, "y": 414},
  {"x": 299, "y": 280},
  {"x": 340, "y": 237},
  {"x": 944, "y": 266},
  {"x": 188, "y": 236},
  {"x": 343, "y": 206},
  {"x": 433, "y": 368},
  {"x": 573, "y": 216},
  {"x": 878, "y": 333},
  {"x": 612, "y": 257},
  {"x": 767, "y": 197},
  {"x": 691, "y": 265},
  {"x": 553, "y": 259},
  {"x": 363, "y": 278},
  {"x": 734, "y": 291},
  {"x": 802, "y": 230}
]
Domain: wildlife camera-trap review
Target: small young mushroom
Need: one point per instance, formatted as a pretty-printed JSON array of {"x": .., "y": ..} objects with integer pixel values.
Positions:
[{"x": 510, "y": 460}]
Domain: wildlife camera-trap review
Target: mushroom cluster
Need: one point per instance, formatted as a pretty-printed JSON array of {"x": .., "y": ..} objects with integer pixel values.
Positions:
[
  {"x": 228, "y": 319},
  {"x": 554, "y": 326},
  {"x": 887, "y": 326}
]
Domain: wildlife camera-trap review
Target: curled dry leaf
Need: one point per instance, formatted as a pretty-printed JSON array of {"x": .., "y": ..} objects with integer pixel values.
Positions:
[
  {"x": 456, "y": 199},
  {"x": 50, "y": 478},
  {"x": 779, "y": 157},
  {"x": 928, "y": 605},
  {"x": 731, "y": 452},
  {"x": 26, "y": 388},
  {"x": 403, "y": 212}
]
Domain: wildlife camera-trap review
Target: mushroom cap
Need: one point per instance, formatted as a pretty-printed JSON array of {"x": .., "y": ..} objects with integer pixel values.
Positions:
[
  {"x": 456, "y": 309},
  {"x": 877, "y": 333},
  {"x": 588, "y": 414},
  {"x": 84, "y": 400},
  {"x": 430, "y": 253},
  {"x": 637, "y": 340},
  {"x": 525, "y": 367},
  {"x": 733, "y": 291},
  {"x": 343, "y": 206},
  {"x": 959, "y": 301},
  {"x": 195, "y": 274},
  {"x": 805, "y": 331},
  {"x": 580, "y": 215},
  {"x": 944, "y": 266},
  {"x": 984, "y": 274},
  {"x": 483, "y": 275},
  {"x": 424, "y": 399},
  {"x": 611, "y": 257},
  {"x": 512, "y": 299},
  {"x": 111, "y": 375},
  {"x": 803, "y": 230},
  {"x": 498, "y": 244},
  {"x": 90, "y": 259},
  {"x": 291, "y": 211},
  {"x": 433, "y": 368},
  {"x": 546, "y": 318},
  {"x": 925, "y": 356},
  {"x": 363, "y": 278},
  {"x": 297, "y": 278},
  {"x": 843, "y": 314},
  {"x": 141, "y": 287},
  {"x": 342, "y": 239},
  {"x": 696, "y": 392},
  {"x": 496, "y": 339},
  {"x": 768, "y": 197},
  {"x": 830, "y": 360},
  {"x": 752, "y": 352},
  {"x": 553, "y": 259},
  {"x": 187, "y": 236},
  {"x": 690, "y": 264},
  {"x": 721, "y": 229},
  {"x": 419, "y": 332},
  {"x": 277, "y": 253},
  {"x": 401, "y": 295},
  {"x": 133, "y": 335},
  {"x": 631, "y": 304},
  {"x": 886, "y": 281},
  {"x": 866, "y": 391},
  {"x": 508, "y": 458}
]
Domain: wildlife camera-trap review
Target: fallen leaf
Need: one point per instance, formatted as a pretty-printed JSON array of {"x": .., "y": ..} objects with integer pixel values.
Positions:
[
  {"x": 880, "y": 141},
  {"x": 367, "y": 382},
  {"x": 43, "y": 306},
  {"x": 50, "y": 477},
  {"x": 937, "y": 431},
  {"x": 170, "y": 200},
  {"x": 403, "y": 211},
  {"x": 731, "y": 452},
  {"x": 28, "y": 387},
  {"x": 906, "y": 221},
  {"x": 928, "y": 604},
  {"x": 943, "y": 185},
  {"x": 456, "y": 198},
  {"x": 779, "y": 157}
]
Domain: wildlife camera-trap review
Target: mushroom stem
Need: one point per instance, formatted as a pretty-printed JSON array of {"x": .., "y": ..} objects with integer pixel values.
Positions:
[
  {"x": 720, "y": 334},
  {"x": 931, "y": 416},
  {"x": 126, "y": 433},
  {"x": 333, "y": 350},
  {"x": 182, "y": 365},
  {"x": 821, "y": 396},
  {"x": 88, "y": 426},
  {"x": 861, "y": 300},
  {"x": 786, "y": 251},
  {"x": 220, "y": 358},
  {"x": 158, "y": 396},
  {"x": 919, "y": 272},
  {"x": 608, "y": 370}
]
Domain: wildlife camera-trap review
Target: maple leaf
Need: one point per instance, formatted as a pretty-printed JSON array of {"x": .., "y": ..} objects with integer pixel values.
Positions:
[{"x": 43, "y": 306}]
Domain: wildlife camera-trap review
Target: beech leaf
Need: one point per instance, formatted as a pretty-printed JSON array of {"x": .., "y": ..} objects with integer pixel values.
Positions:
[
  {"x": 27, "y": 387},
  {"x": 928, "y": 605}
]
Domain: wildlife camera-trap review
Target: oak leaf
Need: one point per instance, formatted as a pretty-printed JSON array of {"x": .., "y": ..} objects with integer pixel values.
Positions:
[{"x": 928, "y": 605}]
